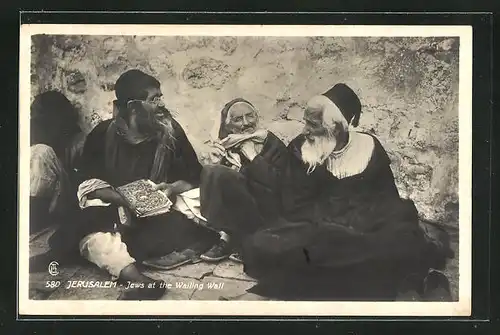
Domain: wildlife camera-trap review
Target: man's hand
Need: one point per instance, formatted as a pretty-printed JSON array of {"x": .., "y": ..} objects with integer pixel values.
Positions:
[
  {"x": 248, "y": 150},
  {"x": 177, "y": 187},
  {"x": 216, "y": 152},
  {"x": 165, "y": 188}
]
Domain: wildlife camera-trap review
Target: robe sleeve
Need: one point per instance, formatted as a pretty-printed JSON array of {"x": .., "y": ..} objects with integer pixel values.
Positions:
[
  {"x": 264, "y": 172},
  {"x": 380, "y": 174},
  {"x": 266, "y": 167},
  {"x": 189, "y": 167}
]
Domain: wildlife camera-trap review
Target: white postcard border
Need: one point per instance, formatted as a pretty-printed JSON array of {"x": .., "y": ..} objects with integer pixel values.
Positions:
[{"x": 252, "y": 308}]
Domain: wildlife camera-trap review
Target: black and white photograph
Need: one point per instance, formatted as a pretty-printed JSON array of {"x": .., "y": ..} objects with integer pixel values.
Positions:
[{"x": 245, "y": 170}]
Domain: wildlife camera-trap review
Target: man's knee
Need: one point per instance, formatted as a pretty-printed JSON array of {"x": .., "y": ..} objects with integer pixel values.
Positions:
[
  {"x": 107, "y": 251},
  {"x": 220, "y": 173}
]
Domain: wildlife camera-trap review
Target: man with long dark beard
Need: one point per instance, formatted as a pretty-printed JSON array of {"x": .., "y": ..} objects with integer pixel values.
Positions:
[
  {"x": 142, "y": 141},
  {"x": 346, "y": 232}
]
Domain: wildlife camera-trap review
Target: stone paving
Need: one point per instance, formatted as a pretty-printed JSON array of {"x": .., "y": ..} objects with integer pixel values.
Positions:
[{"x": 197, "y": 281}]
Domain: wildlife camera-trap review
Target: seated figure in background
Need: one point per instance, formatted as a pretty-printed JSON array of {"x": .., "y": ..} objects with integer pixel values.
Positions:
[
  {"x": 345, "y": 230},
  {"x": 56, "y": 143},
  {"x": 241, "y": 193}
]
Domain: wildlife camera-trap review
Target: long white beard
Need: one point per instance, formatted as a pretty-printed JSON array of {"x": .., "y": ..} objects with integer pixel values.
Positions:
[{"x": 315, "y": 152}]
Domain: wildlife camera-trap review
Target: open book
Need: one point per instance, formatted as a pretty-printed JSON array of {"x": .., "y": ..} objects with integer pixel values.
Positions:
[{"x": 148, "y": 202}]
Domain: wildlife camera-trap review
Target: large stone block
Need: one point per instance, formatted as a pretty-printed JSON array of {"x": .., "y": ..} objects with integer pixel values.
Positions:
[
  {"x": 83, "y": 286},
  {"x": 407, "y": 87},
  {"x": 205, "y": 71},
  {"x": 231, "y": 270},
  {"x": 214, "y": 288}
]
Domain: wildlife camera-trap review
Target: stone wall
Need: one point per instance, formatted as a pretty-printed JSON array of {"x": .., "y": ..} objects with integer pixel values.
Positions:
[{"x": 408, "y": 88}]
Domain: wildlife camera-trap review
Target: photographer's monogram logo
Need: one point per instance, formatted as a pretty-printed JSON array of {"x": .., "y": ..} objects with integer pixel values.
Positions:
[{"x": 53, "y": 270}]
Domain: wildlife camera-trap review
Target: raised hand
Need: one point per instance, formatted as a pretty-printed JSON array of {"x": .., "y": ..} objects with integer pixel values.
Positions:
[{"x": 216, "y": 152}]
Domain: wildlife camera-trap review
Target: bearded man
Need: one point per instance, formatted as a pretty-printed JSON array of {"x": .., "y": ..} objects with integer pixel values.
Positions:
[
  {"x": 241, "y": 192},
  {"x": 142, "y": 141},
  {"x": 346, "y": 232}
]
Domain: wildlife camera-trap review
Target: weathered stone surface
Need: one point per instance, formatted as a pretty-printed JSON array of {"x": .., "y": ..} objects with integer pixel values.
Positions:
[
  {"x": 76, "y": 82},
  {"x": 215, "y": 288},
  {"x": 206, "y": 71},
  {"x": 231, "y": 270},
  {"x": 247, "y": 296},
  {"x": 452, "y": 270},
  {"x": 39, "y": 241},
  {"x": 87, "y": 274},
  {"x": 229, "y": 45},
  {"x": 197, "y": 271},
  {"x": 407, "y": 86},
  {"x": 35, "y": 294},
  {"x": 178, "y": 288},
  {"x": 319, "y": 47},
  {"x": 43, "y": 282}
]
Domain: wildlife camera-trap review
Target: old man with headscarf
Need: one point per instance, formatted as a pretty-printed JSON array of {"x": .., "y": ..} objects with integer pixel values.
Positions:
[
  {"x": 241, "y": 193},
  {"x": 142, "y": 141},
  {"x": 346, "y": 231}
]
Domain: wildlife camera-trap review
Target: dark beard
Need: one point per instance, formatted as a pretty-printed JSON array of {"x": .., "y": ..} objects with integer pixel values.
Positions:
[
  {"x": 157, "y": 126},
  {"x": 147, "y": 123}
]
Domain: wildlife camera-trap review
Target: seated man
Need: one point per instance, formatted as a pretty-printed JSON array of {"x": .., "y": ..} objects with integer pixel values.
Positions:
[
  {"x": 346, "y": 233},
  {"x": 241, "y": 194},
  {"x": 142, "y": 141},
  {"x": 56, "y": 142}
]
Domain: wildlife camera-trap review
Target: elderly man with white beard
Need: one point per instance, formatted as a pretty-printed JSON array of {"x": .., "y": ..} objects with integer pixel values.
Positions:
[{"x": 346, "y": 233}]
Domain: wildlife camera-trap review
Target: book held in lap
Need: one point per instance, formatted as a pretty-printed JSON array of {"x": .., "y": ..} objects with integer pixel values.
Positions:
[{"x": 141, "y": 195}]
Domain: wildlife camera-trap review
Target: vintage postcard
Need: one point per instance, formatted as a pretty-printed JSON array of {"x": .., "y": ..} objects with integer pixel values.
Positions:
[{"x": 274, "y": 170}]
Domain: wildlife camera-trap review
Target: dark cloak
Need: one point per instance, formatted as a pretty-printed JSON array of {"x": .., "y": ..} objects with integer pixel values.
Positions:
[
  {"x": 353, "y": 238},
  {"x": 241, "y": 202},
  {"x": 148, "y": 237}
]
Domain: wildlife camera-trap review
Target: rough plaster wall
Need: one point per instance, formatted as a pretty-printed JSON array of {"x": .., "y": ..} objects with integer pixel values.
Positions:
[{"x": 408, "y": 88}]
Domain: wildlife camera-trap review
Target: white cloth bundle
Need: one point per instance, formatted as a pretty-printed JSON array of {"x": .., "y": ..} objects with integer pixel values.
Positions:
[{"x": 188, "y": 203}]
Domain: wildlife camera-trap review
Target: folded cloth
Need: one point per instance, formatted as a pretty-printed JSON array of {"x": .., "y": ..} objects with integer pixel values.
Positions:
[
  {"x": 89, "y": 186},
  {"x": 232, "y": 142},
  {"x": 188, "y": 203}
]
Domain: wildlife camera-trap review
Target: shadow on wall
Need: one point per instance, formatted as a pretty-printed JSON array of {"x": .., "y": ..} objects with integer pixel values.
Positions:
[{"x": 408, "y": 88}]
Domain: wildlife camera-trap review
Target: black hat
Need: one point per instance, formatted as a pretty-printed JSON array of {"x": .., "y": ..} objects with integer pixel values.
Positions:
[
  {"x": 347, "y": 101},
  {"x": 131, "y": 85}
]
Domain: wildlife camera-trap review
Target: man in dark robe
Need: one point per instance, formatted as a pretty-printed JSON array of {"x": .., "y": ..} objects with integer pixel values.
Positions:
[
  {"x": 241, "y": 193},
  {"x": 56, "y": 143},
  {"x": 142, "y": 141},
  {"x": 346, "y": 233}
]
